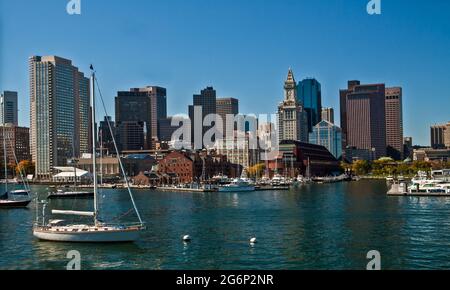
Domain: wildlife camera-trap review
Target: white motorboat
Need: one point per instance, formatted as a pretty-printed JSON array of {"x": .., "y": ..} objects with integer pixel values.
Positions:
[{"x": 237, "y": 185}]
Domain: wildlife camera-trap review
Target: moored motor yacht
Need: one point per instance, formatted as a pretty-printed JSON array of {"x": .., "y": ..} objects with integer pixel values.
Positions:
[{"x": 237, "y": 185}]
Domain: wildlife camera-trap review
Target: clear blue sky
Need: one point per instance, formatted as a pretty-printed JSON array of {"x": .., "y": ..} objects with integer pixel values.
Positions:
[{"x": 242, "y": 48}]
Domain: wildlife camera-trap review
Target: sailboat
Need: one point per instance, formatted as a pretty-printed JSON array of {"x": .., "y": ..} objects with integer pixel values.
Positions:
[
  {"x": 98, "y": 232},
  {"x": 13, "y": 198}
]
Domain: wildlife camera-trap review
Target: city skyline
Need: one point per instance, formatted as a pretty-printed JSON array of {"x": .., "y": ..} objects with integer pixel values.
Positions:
[{"x": 401, "y": 56}]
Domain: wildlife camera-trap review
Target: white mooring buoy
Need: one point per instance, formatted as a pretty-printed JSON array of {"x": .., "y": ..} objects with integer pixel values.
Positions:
[
  {"x": 186, "y": 238},
  {"x": 253, "y": 241}
]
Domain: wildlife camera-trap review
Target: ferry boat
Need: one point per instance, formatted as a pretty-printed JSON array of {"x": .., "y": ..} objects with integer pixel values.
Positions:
[
  {"x": 237, "y": 185},
  {"x": 430, "y": 187},
  {"x": 443, "y": 174}
]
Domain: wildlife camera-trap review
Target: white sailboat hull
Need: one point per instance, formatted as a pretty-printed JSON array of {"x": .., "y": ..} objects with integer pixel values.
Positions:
[{"x": 101, "y": 236}]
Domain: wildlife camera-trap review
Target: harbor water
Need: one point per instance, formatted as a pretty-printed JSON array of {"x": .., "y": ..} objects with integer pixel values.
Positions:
[{"x": 317, "y": 226}]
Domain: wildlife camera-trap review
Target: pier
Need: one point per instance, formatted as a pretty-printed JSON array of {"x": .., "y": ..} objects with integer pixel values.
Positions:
[{"x": 177, "y": 189}]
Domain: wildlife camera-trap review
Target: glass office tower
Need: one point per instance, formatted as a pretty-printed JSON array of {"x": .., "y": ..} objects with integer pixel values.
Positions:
[
  {"x": 309, "y": 92},
  {"x": 59, "y": 117}
]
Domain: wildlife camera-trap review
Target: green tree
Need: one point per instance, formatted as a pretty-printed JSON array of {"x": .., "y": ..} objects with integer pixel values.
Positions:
[{"x": 361, "y": 167}]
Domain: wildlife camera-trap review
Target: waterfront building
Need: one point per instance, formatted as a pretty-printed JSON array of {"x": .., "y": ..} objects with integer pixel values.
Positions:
[
  {"x": 131, "y": 135},
  {"x": 440, "y": 136},
  {"x": 107, "y": 167},
  {"x": 363, "y": 117},
  {"x": 239, "y": 149},
  {"x": 136, "y": 163},
  {"x": 430, "y": 154},
  {"x": 8, "y": 108},
  {"x": 59, "y": 113},
  {"x": 67, "y": 174},
  {"x": 201, "y": 166},
  {"x": 353, "y": 153},
  {"x": 328, "y": 135},
  {"x": 17, "y": 142},
  {"x": 224, "y": 108},
  {"x": 298, "y": 158},
  {"x": 105, "y": 138},
  {"x": 206, "y": 102},
  {"x": 328, "y": 115},
  {"x": 292, "y": 118},
  {"x": 310, "y": 96},
  {"x": 394, "y": 123}
]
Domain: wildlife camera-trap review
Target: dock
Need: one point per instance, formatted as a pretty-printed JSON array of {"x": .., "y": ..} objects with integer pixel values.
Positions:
[
  {"x": 177, "y": 189},
  {"x": 268, "y": 188}
]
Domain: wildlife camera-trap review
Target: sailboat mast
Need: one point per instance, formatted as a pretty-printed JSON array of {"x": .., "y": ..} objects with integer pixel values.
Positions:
[
  {"x": 5, "y": 160},
  {"x": 94, "y": 157}
]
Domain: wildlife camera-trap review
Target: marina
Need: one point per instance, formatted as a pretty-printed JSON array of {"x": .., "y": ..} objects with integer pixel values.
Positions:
[{"x": 315, "y": 226}]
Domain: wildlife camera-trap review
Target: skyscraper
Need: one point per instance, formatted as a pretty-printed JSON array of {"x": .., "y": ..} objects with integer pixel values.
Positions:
[
  {"x": 292, "y": 118},
  {"x": 328, "y": 114},
  {"x": 105, "y": 138},
  {"x": 394, "y": 123},
  {"x": 408, "y": 147},
  {"x": 131, "y": 135},
  {"x": 363, "y": 117},
  {"x": 310, "y": 95},
  {"x": 148, "y": 105},
  {"x": 59, "y": 118},
  {"x": 206, "y": 101},
  {"x": 8, "y": 108},
  {"x": 440, "y": 136},
  {"x": 17, "y": 143},
  {"x": 343, "y": 108},
  {"x": 447, "y": 135},
  {"x": 225, "y": 107},
  {"x": 328, "y": 135}
]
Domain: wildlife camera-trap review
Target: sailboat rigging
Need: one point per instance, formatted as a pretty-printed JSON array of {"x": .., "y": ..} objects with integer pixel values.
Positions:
[
  {"x": 99, "y": 232},
  {"x": 13, "y": 198}
]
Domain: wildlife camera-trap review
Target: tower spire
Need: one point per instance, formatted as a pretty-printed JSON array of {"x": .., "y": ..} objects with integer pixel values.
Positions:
[{"x": 290, "y": 76}]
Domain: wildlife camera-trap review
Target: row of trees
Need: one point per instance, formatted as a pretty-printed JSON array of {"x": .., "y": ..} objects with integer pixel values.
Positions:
[
  {"x": 25, "y": 167},
  {"x": 387, "y": 166}
]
